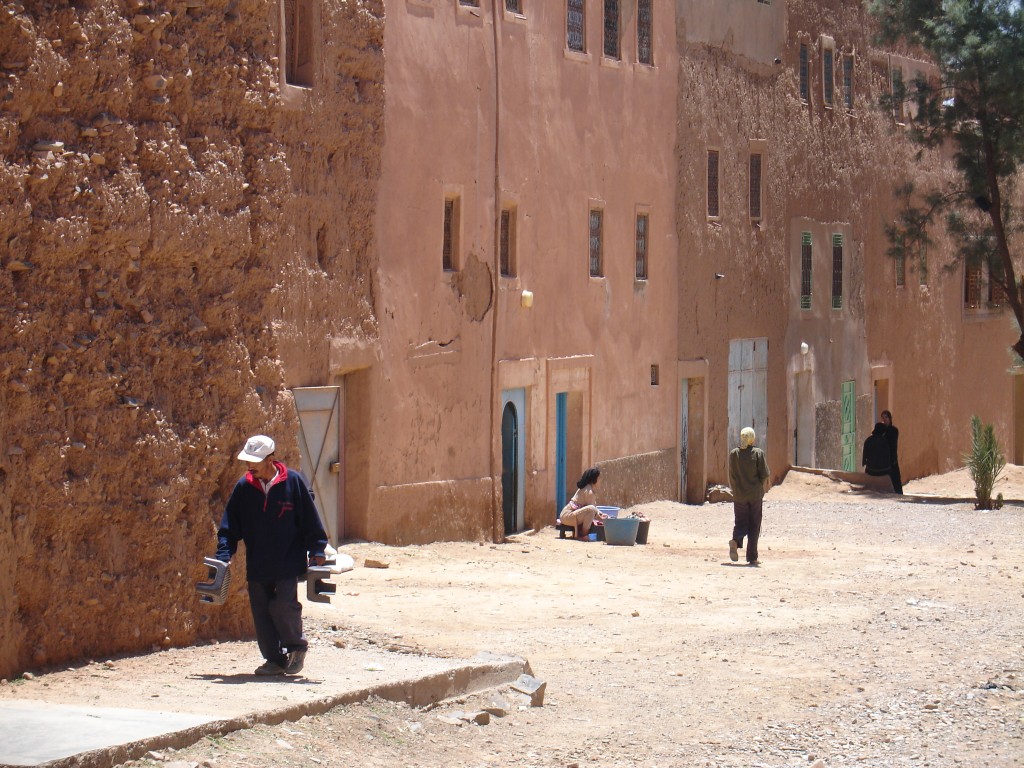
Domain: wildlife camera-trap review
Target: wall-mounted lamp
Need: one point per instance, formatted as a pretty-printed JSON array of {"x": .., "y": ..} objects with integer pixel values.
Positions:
[
  {"x": 719, "y": 275},
  {"x": 527, "y": 299}
]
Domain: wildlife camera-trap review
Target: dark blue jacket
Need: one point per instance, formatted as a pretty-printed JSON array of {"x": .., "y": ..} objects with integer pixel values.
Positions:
[{"x": 281, "y": 529}]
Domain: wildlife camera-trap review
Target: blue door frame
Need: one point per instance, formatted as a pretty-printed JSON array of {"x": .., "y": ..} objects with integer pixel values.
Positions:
[{"x": 561, "y": 441}]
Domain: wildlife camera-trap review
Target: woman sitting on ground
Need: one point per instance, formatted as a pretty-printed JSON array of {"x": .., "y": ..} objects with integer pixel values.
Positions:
[{"x": 582, "y": 509}]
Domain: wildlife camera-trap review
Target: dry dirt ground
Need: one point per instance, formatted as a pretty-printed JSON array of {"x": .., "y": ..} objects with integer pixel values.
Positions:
[{"x": 877, "y": 632}]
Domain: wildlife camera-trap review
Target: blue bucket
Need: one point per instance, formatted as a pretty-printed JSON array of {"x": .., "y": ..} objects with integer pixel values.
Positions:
[
  {"x": 610, "y": 511},
  {"x": 621, "y": 532}
]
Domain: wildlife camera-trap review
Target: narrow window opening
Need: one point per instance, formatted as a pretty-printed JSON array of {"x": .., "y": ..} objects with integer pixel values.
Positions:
[
  {"x": 642, "y": 225},
  {"x": 508, "y": 242},
  {"x": 755, "y": 186},
  {"x": 805, "y": 270},
  {"x": 898, "y": 93},
  {"x": 900, "y": 263},
  {"x": 837, "y": 271},
  {"x": 713, "y": 210},
  {"x": 655, "y": 375},
  {"x": 848, "y": 81},
  {"x": 596, "y": 241},
  {"x": 922, "y": 265},
  {"x": 450, "y": 246},
  {"x": 972, "y": 285},
  {"x": 611, "y": 29},
  {"x": 996, "y": 286},
  {"x": 575, "y": 25},
  {"x": 514, "y": 6},
  {"x": 644, "y": 32},
  {"x": 828, "y": 76},
  {"x": 298, "y": 42},
  {"x": 805, "y": 88}
]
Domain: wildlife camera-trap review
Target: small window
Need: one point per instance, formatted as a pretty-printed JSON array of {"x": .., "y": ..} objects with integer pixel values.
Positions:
[
  {"x": 972, "y": 285},
  {"x": 828, "y": 80},
  {"x": 507, "y": 242},
  {"x": 655, "y": 375},
  {"x": 713, "y": 210},
  {"x": 596, "y": 242},
  {"x": 645, "y": 32},
  {"x": 900, "y": 263},
  {"x": 848, "y": 81},
  {"x": 450, "y": 248},
  {"x": 837, "y": 271},
  {"x": 642, "y": 239},
  {"x": 996, "y": 286},
  {"x": 922, "y": 265},
  {"x": 298, "y": 42},
  {"x": 805, "y": 86},
  {"x": 575, "y": 25},
  {"x": 611, "y": 29},
  {"x": 470, "y": 3},
  {"x": 755, "y": 185},
  {"x": 805, "y": 270},
  {"x": 514, "y": 6}
]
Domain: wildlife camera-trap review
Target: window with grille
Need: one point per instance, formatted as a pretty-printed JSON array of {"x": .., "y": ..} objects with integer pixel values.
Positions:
[
  {"x": 848, "y": 81},
  {"x": 298, "y": 42},
  {"x": 900, "y": 263},
  {"x": 642, "y": 230},
  {"x": 575, "y": 24},
  {"x": 837, "y": 271},
  {"x": 596, "y": 241},
  {"x": 644, "y": 32},
  {"x": 450, "y": 247},
  {"x": 471, "y": 3},
  {"x": 611, "y": 29},
  {"x": 972, "y": 285},
  {"x": 655, "y": 375},
  {"x": 515, "y": 6},
  {"x": 755, "y": 185},
  {"x": 922, "y": 265},
  {"x": 713, "y": 183},
  {"x": 507, "y": 242},
  {"x": 996, "y": 289},
  {"x": 805, "y": 86},
  {"x": 805, "y": 270},
  {"x": 828, "y": 76}
]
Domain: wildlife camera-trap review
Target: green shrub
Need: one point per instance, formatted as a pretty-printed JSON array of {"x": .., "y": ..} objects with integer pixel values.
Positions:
[{"x": 985, "y": 462}]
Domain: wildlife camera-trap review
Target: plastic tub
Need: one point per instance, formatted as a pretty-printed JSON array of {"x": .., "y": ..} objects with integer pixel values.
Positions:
[
  {"x": 610, "y": 511},
  {"x": 621, "y": 532}
]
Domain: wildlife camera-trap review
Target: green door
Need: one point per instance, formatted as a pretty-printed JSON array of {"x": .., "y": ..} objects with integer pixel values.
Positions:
[{"x": 849, "y": 416}]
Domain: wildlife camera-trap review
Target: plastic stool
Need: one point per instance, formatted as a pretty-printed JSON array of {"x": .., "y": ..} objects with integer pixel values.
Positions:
[{"x": 214, "y": 591}]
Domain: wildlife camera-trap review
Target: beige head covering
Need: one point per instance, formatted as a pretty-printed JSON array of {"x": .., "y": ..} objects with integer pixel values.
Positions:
[{"x": 747, "y": 437}]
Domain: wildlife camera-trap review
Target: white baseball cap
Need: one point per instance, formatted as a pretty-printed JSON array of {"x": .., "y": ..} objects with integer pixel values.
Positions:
[{"x": 257, "y": 448}]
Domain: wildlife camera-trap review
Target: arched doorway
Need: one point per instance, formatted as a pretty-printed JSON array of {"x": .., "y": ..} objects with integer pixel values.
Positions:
[{"x": 509, "y": 466}]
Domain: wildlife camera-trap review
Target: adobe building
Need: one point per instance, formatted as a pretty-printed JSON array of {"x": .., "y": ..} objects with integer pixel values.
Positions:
[
  {"x": 808, "y": 328},
  {"x": 448, "y": 253}
]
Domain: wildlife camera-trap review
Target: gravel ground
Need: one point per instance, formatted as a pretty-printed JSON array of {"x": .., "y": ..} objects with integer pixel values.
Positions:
[{"x": 877, "y": 632}]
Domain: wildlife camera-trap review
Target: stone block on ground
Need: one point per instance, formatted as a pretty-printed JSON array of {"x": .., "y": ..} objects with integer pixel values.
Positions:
[{"x": 532, "y": 687}]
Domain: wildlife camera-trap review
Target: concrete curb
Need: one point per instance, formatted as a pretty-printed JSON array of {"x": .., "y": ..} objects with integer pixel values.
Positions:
[{"x": 480, "y": 673}]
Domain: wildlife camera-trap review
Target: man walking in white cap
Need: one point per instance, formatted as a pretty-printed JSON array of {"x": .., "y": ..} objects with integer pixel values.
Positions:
[
  {"x": 748, "y": 475},
  {"x": 272, "y": 511}
]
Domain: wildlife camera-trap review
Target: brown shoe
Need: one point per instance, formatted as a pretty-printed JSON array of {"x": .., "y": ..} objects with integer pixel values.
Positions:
[{"x": 734, "y": 555}]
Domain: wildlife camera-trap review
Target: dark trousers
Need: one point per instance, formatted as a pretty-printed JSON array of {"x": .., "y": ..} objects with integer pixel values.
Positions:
[
  {"x": 277, "y": 614},
  {"x": 897, "y": 481},
  {"x": 747, "y": 522}
]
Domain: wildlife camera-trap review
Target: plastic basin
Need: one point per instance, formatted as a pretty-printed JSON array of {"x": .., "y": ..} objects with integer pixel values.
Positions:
[
  {"x": 610, "y": 511},
  {"x": 621, "y": 532}
]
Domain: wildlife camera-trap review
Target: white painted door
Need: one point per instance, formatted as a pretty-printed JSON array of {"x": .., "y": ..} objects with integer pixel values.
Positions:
[
  {"x": 748, "y": 389},
  {"x": 320, "y": 420}
]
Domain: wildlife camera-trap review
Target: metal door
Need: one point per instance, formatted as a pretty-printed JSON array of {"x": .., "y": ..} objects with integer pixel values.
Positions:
[
  {"x": 513, "y": 453},
  {"x": 849, "y": 427},
  {"x": 748, "y": 388},
  {"x": 320, "y": 418}
]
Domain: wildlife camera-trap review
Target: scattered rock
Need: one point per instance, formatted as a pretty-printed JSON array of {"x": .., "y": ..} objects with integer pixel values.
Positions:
[
  {"x": 368, "y": 563},
  {"x": 532, "y": 687}
]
